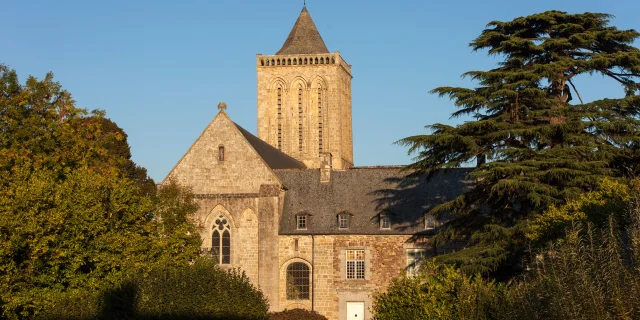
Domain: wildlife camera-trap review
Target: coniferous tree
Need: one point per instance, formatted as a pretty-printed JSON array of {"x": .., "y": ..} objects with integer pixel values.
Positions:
[{"x": 535, "y": 142}]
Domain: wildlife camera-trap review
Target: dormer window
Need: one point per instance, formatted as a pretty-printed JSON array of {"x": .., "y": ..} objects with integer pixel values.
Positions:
[
  {"x": 385, "y": 222},
  {"x": 301, "y": 222},
  {"x": 343, "y": 221},
  {"x": 429, "y": 222},
  {"x": 221, "y": 153}
]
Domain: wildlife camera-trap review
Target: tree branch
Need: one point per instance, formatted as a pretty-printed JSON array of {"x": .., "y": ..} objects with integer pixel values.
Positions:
[{"x": 576, "y": 91}]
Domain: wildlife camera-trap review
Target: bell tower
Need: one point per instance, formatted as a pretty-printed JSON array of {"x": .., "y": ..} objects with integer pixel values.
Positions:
[{"x": 304, "y": 99}]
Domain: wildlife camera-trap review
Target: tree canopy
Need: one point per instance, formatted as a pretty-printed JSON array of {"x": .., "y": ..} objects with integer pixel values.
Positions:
[
  {"x": 536, "y": 143},
  {"x": 75, "y": 211}
]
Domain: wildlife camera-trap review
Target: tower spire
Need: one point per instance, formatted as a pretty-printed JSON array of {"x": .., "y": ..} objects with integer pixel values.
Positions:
[{"x": 304, "y": 37}]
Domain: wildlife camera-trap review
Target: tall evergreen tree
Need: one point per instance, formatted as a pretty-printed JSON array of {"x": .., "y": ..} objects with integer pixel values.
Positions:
[{"x": 535, "y": 142}]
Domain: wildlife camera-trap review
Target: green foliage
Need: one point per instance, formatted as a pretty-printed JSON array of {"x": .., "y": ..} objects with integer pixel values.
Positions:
[
  {"x": 593, "y": 273},
  {"x": 296, "y": 314},
  {"x": 75, "y": 212},
  {"x": 438, "y": 292},
  {"x": 535, "y": 144},
  {"x": 198, "y": 291}
]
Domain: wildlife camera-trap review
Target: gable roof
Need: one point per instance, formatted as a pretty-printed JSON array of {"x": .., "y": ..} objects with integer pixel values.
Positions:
[
  {"x": 304, "y": 37},
  {"x": 273, "y": 157},
  {"x": 365, "y": 194}
]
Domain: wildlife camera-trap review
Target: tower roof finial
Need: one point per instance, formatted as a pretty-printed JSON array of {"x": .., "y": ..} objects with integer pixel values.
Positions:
[{"x": 222, "y": 106}]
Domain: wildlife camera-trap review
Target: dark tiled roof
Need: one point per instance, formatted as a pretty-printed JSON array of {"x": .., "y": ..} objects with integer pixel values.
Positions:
[
  {"x": 304, "y": 38},
  {"x": 364, "y": 193},
  {"x": 274, "y": 158}
]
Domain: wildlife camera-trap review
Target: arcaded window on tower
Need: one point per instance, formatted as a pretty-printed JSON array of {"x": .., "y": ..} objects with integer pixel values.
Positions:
[
  {"x": 320, "y": 147},
  {"x": 279, "y": 102},
  {"x": 221, "y": 241},
  {"x": 298, "y": 281},
  {"x": 300, "y": 119}
]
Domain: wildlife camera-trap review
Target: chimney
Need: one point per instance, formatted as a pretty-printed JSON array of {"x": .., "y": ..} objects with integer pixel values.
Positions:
[{"x": 325, "y": 167}]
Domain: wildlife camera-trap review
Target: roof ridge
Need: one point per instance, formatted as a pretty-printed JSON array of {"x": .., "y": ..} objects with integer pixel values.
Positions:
[{"x": 274, "y": 158}]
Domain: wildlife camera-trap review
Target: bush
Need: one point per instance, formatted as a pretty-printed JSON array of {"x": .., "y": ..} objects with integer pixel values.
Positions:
[
  {"x": 296, "y": 314},
  {"x": 198, "y": 291},
  {"x": 438, "y": 292}
]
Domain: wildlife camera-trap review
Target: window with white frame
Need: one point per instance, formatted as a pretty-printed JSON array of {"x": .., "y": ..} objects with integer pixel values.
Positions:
[
  {"x": 415, "y": 258},
  {"x": 429, "y": 221},
  {"x": 385, "y": 222},
  {"x": 355, "y": 264},
  {"x": 343, "y": 221},
  {"x": 301, "y": 222}
]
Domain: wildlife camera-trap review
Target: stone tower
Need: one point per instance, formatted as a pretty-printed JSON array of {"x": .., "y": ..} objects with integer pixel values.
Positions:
[{"x": 304, "y": 99}]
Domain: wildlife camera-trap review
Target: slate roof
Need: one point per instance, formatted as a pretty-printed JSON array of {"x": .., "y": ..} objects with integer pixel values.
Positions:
[
  {"x": 274, "y": 158},
  {"x": 364, "y": 194},
  {"x": 304, "y": 38}
]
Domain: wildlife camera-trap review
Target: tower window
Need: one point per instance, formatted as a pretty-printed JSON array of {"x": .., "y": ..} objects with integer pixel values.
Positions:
[
  {"x": 320, "y": 148},
  {"x": 300, "y": 119},
  {"x": 221, "y": 153},
  {"x": 279, "y": 118}
]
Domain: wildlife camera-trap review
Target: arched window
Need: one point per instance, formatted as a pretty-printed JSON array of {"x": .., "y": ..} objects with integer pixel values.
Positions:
[
  {"x": 262, "y": 62},
  {"x": 320, "y": 147},
  {"x": 221, "y": 241},
  {"x": 316, "y": 61},
  {"x": 298, "y": 281},
  {"x": 279, "y": 118},
  {"x": 306, "y": 61},
  {"x": 300, "y": 116},
  {"x": 321, "y": 60}
]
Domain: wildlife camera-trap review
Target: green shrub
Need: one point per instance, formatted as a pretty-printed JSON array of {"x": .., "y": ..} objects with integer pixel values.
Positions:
[
  {"x": 296, "y": 314},
  {"x": 438, "y": 292},
  {"x": 198, "y": 291}
]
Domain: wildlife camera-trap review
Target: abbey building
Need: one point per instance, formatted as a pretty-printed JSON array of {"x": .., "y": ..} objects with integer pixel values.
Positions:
[{"x": 289, "y": 207}]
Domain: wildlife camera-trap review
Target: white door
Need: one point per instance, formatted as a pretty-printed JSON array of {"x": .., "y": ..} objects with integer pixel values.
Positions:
[{"x": 355, "y": 310}]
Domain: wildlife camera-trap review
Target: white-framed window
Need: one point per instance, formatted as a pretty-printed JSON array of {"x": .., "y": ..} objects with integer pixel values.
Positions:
[
  {"x": 221, "y": 241},
  {"x": 355, "y": 264},
  {"x": 430, "y": 221},
  {"x": 301, "y": 222},
  {"x": 415, "y": 258},
  {"x": 385, "y": 222},
  {"x": 343, "y": 221}
]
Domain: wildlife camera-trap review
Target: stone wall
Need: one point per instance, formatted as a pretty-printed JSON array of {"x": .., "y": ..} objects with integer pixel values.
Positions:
[
  {"x": 385, "y": 259},
  {"x": 334, "y": 81}
]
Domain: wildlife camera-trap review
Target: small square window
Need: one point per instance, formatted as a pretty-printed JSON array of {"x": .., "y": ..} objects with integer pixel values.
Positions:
[
  {"x": 302, "y": 222},
  {"x": 343, "y": 221},
  {"x": 385, "y": 222}
]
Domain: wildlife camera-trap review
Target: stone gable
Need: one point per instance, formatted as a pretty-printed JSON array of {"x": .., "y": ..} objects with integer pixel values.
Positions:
[{"x": 241, "y": 171}]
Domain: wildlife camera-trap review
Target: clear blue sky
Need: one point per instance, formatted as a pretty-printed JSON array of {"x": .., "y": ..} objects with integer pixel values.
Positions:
[{"x": 159, "y": 68}]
